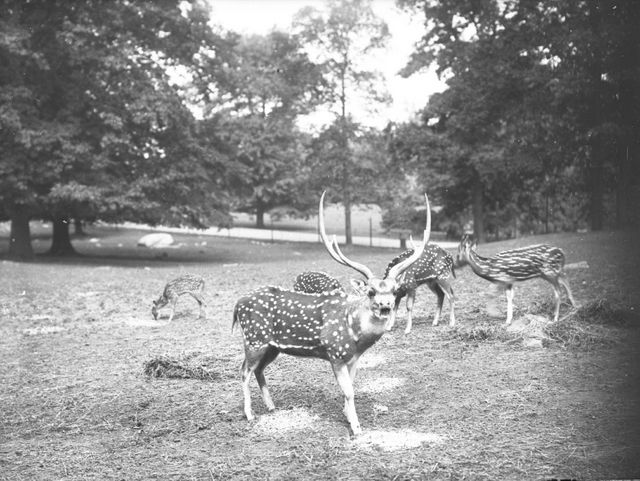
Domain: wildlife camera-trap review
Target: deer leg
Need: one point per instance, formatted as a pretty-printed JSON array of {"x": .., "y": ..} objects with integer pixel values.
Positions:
[
  {"x": 267, "y": 359},
  {"x": 341, "y": 371},
  {"x": 411, "y": 298},
  {"x": 448, "y": 292},
  {"x": 174, "y": 301},
  {"x": 201, "y": 304},
  {"x": 562, "y": 279},
  {"x": 394, "y": 314},
  {"x": 437, "y": 290},
  {"x": 556, "y": 295},
  {"x": 509, "y": 293},
  {"x": 352, "y": 365},
  {"x": 251, "y": 361}
]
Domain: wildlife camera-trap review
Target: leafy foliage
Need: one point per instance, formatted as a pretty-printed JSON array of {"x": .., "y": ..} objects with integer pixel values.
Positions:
[
  {"x": 534, "y": 108},
  {"x": 93, "y": 126}
]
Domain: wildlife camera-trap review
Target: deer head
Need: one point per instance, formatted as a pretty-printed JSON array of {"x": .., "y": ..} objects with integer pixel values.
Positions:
[
  {"x": 467, "y": 244},
  {"x": 381, "y": 292}
]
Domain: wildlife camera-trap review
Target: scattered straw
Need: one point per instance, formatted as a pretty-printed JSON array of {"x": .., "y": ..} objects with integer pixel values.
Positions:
[
  {"x": 482, "y": 332},
  {"x": 283, "y": 421},
  {"x": 380, "y": 385},
  {"x": 371, "y": 360},
  {"x": 183, "y": 367},
  {"x": 595, "y": 323},
  {"x": 396, "y": 440},
  {"x": 36, "y": 331}
]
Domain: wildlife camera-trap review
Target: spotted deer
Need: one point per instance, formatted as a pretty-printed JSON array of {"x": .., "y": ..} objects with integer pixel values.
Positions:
[
  {"x": 435, "y": 269},
  {"x": 331, "y": 325},
  {"x": 517, "y": 265},
  {"x": 314, "y": 282},
  {"x": 185, "y": 284}
]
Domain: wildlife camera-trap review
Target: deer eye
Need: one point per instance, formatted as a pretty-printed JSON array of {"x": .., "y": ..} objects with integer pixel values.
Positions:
[{"x": 371, "y": 292}]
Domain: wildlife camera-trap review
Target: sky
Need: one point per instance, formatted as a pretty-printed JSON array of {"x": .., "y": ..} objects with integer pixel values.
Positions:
[{"x": 409, "y": 95}]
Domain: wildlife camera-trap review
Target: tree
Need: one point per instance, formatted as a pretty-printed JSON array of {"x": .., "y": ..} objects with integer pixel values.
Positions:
[
  {"x": 93, "y": 126},
  {"x": 343, "y": 36},
  {"x": 533, "y": 95},
  {"x": 253, "y": 99},
  {"x": 367, "y": 174}
]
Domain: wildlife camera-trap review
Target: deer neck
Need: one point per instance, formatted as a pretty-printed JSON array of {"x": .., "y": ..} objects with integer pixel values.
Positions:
[
  {"x": 480, "y": 265},
  {"x": 364, "y": 327}
]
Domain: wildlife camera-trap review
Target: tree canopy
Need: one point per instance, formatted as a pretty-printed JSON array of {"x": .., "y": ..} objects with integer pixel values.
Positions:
[
  {"x": 534, "y": 107},
  {"x": 93, "y": 125}
]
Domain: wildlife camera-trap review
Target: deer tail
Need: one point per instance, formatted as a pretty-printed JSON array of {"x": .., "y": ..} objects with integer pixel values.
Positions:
[{"x": 235, "y": 320}]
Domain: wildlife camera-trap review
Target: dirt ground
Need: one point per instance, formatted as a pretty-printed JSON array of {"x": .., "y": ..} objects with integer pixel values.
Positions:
[{"x": 444, "y": 403}]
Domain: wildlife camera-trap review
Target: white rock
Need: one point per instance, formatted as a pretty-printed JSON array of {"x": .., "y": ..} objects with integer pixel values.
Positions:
[{"x": 156, "y": 240}]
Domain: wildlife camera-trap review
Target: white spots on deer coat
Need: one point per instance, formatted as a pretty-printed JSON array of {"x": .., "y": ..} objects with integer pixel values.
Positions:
[
  {"x": 290, "y": 320},
  {"x": 314, "y": 282},
  {"x": 435, "y": 263},
  {"x": 516, "y": 264}
]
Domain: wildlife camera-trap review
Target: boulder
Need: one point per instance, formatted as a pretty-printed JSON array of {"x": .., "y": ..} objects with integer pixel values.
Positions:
[{"x": 156, "y": 240}]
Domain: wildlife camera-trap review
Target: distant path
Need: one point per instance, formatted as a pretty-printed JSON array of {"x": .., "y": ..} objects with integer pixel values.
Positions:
[{"x": 279, "y": 235}]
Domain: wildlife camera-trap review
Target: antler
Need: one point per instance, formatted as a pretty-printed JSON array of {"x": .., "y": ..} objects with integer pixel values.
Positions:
[
  {"x": 334, "y": 250},
  {"x": 399, "y": 268}
]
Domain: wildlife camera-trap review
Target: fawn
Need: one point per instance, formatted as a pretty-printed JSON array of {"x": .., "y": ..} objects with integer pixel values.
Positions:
[
  {"x": 509, "y": 267},
  {"x": 185, "y": 284}
]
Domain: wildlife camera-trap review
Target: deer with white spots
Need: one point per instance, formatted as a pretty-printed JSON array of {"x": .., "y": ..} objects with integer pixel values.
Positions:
[
  {"x": 509, "y": 267},
  {"x": 314, "y": 282},
  {"x": 330, "y": 326},
  {"x": 435, "y": 269},
  {"x": 186, "y": 284}
]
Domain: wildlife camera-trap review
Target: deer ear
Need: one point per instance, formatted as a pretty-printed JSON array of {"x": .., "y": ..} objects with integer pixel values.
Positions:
[{"x": 359, "y": 286}]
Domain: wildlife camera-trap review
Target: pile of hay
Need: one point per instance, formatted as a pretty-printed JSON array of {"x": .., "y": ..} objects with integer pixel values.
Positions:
[
  {"x": 481, "y": 332},
  {"x": 182, "y": 367},
  {"x": 595, "y": 323}
]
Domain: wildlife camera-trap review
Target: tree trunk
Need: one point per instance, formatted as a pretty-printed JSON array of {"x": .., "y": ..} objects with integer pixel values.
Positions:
[
  {"x": 20, "y": 239},
  {"x": 478, "y": 208},
  {"x": 596, "y": 185},
  {"x": 347, "y": 220},
  {"x": 595, "y": 169},
  {"x": 78, "y": 229},
  {"x": 61, "y": 243},
  {"x": 629, "y": 93},
  {"x": 623, "y": 189},
  {"x": 259, "y": 214}
]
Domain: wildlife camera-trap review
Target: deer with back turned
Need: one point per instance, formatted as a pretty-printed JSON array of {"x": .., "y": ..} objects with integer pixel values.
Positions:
[
  {"x": 316, "y": 282},
  {"x": 435, "y": 269},
  {"x": 517, "y": 265},
  {"x": 331, "y": 325}
]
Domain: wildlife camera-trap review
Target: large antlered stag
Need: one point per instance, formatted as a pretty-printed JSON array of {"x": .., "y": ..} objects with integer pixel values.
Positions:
[{"x": 330, "y": 326}]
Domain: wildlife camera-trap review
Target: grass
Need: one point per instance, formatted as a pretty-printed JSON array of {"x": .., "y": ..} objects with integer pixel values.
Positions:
[{"x": 93, "y": 388}]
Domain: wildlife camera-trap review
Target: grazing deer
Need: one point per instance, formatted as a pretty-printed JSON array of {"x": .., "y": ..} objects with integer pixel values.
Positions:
[
  {"x": 434, "y": 268},
  {"x": 185, "y": 284},
  {"x": 517, "y": 265},
  {"x": 313, "y": 282},
  {"x": 330, "y": 326}
]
